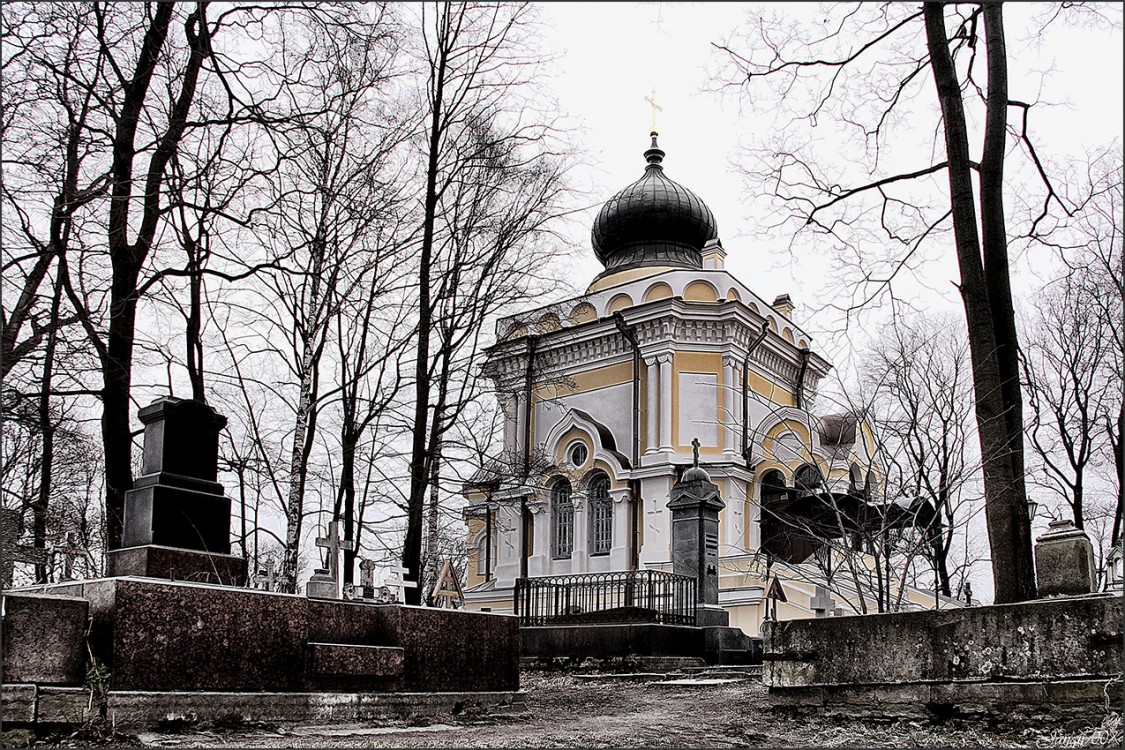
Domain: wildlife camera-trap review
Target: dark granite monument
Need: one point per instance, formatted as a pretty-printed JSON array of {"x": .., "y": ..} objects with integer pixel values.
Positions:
[
  {"x": 177, "y": 519},
  {"x": 695, "y": 504}
]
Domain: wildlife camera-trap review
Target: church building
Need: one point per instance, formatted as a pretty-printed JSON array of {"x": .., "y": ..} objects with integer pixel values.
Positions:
[{"x": 604, "y": 394}]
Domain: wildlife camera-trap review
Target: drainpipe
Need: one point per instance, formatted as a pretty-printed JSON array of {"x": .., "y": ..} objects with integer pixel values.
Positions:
[
  {"x": 801, "y": 377},
  {"x": 527, "y": 383},
  {"x": 758, "y": 339},
  {"x": 630, "y": 336}
]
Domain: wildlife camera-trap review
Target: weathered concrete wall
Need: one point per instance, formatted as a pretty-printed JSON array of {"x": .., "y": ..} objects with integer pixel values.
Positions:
[
  {"x": 44, "y": 639},
  {"x": 1058, "y": 658},
  {"x": 156, "y": 635},
  {"x": 1068, "y": 637}
]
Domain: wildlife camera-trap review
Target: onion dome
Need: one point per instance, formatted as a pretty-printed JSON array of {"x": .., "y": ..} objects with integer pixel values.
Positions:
[{"x": 653, "y": 222}]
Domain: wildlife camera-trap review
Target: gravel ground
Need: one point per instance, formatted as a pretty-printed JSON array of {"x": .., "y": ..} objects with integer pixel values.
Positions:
[{"x": 567, "y": 711}]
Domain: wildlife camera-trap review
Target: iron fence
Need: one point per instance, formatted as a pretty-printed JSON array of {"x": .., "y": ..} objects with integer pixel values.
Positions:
[{"x": 625, "y": 596}]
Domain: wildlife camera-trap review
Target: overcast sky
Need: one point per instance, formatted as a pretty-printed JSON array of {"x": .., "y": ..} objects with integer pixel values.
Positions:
[{"x": 614, "y": 54}]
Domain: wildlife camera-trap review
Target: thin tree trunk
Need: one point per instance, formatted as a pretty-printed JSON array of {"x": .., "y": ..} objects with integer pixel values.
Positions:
[
  {"x": 47, "y": 431},
  {"x": 419, "y": 458}
]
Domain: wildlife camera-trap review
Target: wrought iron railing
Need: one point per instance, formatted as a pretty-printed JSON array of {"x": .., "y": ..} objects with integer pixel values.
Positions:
[{"x": 626, "y": 596}]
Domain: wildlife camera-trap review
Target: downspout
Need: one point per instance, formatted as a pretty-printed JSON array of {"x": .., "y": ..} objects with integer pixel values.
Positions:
[
  {"x": 527, "y": 383},
  {"x": 799, "y": 395},
  {"x": 488, "y": 539},
  {"x": 630, "y": 336},
  {"x": 758, "y": 339}
]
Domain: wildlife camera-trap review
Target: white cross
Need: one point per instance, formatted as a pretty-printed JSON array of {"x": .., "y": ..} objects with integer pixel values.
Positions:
[{"x": 398, "y": 580}]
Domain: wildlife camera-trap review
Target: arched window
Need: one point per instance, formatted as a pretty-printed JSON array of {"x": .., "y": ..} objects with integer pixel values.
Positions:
[
  {"x": 808, "y": 480},
  {"x": 601, "y": 515},
  {"x": 773, "y": 487},
  {"x": 485, "y": 557},
  {"x": 562, "y": 519},
  {"x": 871, "y": 487}
]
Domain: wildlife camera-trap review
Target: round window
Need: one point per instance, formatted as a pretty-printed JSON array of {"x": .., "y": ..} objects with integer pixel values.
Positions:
[{"x": 578, "y": 454}]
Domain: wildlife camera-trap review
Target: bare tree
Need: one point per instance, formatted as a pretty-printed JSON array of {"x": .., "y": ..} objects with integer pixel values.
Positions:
[
  {"x": 489, "y": 177},
  {"x": 918, "y": 378},
  {"x": 870, "y": 70}
]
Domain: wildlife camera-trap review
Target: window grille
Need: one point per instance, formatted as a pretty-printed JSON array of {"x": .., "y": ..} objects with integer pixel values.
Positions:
[
  {"x": 562, "y": 514},
  {"x": 601, "y": 516}
]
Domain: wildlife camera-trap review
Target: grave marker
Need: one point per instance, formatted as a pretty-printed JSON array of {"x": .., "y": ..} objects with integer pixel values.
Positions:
[
  {"x": 11, "y": 551},
  {"x": 367, "y": 578},
  {"x": 333, "y": 544},
  {"x": 447, "y": 589},
  {"x": 399, "y": 582},
  {"x": 822, "y": 604}
]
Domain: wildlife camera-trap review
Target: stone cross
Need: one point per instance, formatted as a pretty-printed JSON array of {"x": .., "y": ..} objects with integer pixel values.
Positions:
[
  {"x": 695, "y": 451},
  {"x": 821, "y": 604},
  {"x": 269, "y": 574},
  {"x": 367, "y": 578},
  {"x": 11, "y": 552},
  {"x": 333, "y": 544},
  {"x": 398, "y": 581},
  {"x": 651, "y": 99}
]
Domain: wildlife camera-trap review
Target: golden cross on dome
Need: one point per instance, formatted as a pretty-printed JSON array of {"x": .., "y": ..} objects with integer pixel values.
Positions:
[{"x": 651, "y": 99}]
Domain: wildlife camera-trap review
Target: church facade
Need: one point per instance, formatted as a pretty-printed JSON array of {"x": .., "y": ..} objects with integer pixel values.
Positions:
[{"x": 604, "y": 394}]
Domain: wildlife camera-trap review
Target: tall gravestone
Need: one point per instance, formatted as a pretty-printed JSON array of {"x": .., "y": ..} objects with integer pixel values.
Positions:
[
  {"x": 177, "y": 519},
  {"x": 695, "y": 504}
]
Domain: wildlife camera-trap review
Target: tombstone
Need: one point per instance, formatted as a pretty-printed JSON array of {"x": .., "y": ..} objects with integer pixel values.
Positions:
[
  {"x": 447, "y": 592},
  {"x": 267, "y": 575},
  {"x": 177, "y": 519},
  {"x": 695, "y": 504},
  {"x": 322, "y": 586},
  {"x": 1115, "y": 568},
  {"x": 367, "y": 578},
  {"x": 1064, "y": 561},
  {"x": 398, "y": 584},
  {"x": 334, "y": 545},
  {"x": 11, "y": 551},
  {"x": 821, "y": 604}
]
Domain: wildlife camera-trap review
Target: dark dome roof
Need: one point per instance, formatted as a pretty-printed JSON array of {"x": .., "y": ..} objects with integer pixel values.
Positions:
[{"x": 653, "y": 222}]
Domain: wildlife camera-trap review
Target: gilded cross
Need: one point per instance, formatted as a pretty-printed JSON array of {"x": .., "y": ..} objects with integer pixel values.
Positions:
[{"x": 651, "y": 99}]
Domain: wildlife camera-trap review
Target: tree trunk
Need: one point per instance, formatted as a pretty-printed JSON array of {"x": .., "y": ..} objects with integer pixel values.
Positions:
[
  {"x": 41, "y": 507},
  {"x": 1006, "y": 507},
  {"x": 419, "y": 458}
]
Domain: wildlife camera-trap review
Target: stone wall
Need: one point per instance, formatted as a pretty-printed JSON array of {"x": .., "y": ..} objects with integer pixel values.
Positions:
[
  {"x": 1058, "y": 654},
  {"x": 155, "y": 635}
]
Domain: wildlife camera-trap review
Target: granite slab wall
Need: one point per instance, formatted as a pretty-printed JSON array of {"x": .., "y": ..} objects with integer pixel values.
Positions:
[
  {"x": 158, "y": 635},
  {"x": 44, "y": 639}
]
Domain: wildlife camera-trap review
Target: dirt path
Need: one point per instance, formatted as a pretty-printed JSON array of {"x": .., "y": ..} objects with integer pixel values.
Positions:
[{"x": 568, "y": 711}]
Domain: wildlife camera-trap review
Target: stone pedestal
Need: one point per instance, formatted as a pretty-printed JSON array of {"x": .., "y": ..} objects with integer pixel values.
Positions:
[
  {"x": 176, "y": 504},
  {"x": 1064, "y": 561},
  {"x": 321, "y": 586},
  {"x": 695, "y": 504}
]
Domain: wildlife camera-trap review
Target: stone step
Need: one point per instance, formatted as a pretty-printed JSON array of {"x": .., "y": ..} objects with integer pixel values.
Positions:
[
  {"x": 355, "y": 660},
  {"x": 753, "y": 671}
]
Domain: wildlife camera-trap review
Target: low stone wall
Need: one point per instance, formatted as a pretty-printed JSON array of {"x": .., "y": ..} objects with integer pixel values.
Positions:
[
  {"x": 609, "y": 641},
  {"x": 161, "y": 636},
  {"x": 1051, "y": 656}
]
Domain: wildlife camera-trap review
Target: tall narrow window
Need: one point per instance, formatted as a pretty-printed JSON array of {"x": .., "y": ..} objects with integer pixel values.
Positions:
[
  {"x": 562, "y": 516},
  {"x": 601, "y": 516}
]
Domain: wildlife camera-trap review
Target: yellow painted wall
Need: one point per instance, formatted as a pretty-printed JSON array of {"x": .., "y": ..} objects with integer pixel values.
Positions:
[
  {"x": 710, "y": 363},
  {"x": 476, "y": 525},
  {"x": 624, "y": 277},
  {"x": 620, "y": 302},
  {"x": 700, "y": 291},
  {"x": 583, "y": 313},
  {"x": 659, "y": 290},
  {"x": 774, "y": 392}
]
